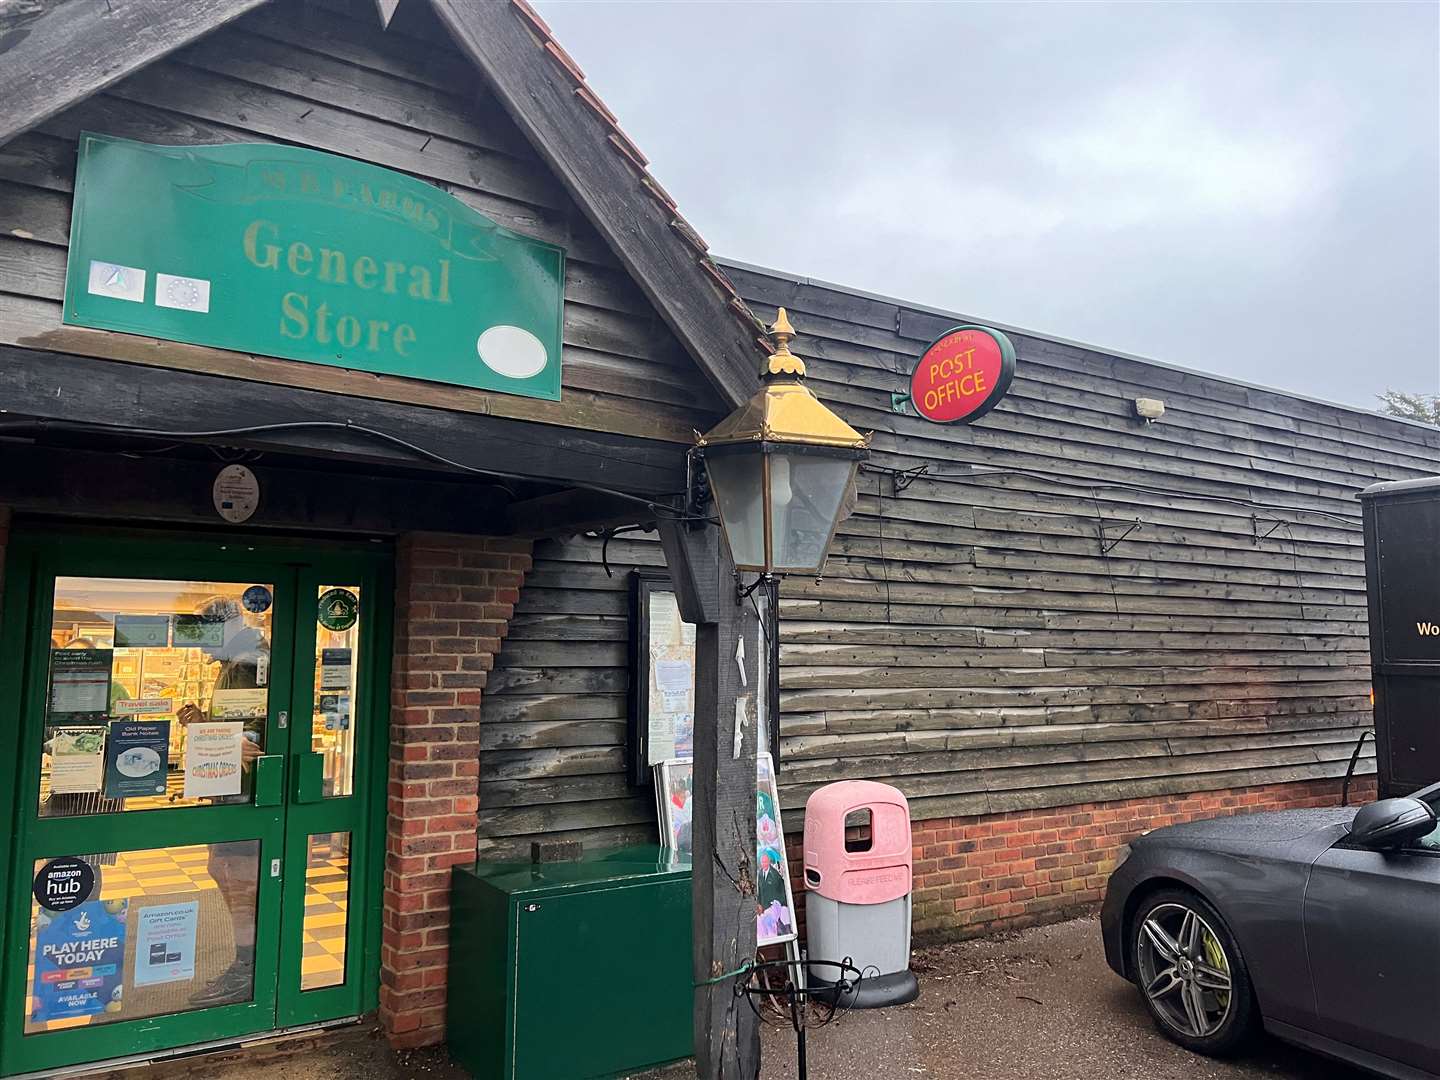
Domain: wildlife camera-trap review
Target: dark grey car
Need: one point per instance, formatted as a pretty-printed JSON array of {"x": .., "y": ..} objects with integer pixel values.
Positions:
[{"x": 1322, "y": 926}]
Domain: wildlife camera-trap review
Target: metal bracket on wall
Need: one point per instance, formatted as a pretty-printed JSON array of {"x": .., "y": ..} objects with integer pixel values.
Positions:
[
  {"x": 900, "y": 479},
  {"x": 1275, "y": 523},
  {"x": 1106, "y": 544}
]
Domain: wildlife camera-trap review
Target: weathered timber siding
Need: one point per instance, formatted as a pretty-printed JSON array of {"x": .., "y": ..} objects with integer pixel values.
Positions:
[
  {"x": 974, "y": 642},
  {"x": 969, "y": 641},
  {"x": 552, "y": 722},
  {"x": 323, "y": 74}
]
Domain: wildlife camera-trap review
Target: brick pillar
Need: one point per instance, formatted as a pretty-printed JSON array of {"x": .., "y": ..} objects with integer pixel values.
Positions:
[{"x": 454, "y": 598}]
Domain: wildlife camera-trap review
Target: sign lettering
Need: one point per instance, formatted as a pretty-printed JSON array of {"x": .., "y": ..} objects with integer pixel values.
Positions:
[
  {"x": 962, "y": 375},
  {"x": 294, "y": 253}
]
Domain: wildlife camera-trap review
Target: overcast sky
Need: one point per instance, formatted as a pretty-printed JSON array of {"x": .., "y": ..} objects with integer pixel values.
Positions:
[{"x": 1248, "y": 189}]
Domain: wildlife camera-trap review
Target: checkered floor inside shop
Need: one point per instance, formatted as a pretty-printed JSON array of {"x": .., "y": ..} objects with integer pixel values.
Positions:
[{"x": 181, "y": 873}]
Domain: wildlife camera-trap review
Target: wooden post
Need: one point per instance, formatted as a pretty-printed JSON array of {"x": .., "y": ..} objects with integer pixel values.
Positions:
[{"x": 727, "y": 1037}]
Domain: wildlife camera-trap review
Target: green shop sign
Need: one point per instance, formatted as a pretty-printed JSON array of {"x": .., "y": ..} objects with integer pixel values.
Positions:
[{"x": 308, "y": 256}]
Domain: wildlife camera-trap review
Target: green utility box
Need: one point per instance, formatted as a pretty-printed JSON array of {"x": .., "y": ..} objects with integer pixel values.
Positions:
[{"x": 564, "y": 971}]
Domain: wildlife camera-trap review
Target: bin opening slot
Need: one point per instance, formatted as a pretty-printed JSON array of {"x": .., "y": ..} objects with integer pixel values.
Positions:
[{"x": 859, "y": 834}]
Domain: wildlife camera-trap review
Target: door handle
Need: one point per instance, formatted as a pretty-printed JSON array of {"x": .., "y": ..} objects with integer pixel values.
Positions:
[
  {"x": 269, "y": 780},
  {"x": 309, "y": 778}
]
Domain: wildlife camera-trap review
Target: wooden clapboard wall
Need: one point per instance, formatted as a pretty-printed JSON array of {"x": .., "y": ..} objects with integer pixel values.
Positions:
[
  {"x": 992, "y": 640},
  {"x": 552, "y": 720},
  {"x": 323, "y": 74},
  {"x": 970, "y": 641}
]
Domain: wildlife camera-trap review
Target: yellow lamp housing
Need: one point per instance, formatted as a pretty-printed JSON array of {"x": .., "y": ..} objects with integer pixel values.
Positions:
[{"x": 780, "y": 467}]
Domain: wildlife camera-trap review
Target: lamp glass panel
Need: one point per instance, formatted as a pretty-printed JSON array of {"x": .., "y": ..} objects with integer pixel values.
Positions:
[
  {"x": 805, "y": 495},
  {"x": 736, "y": 482}
]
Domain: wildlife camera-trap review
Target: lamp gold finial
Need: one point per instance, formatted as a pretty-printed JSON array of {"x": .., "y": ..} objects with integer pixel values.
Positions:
[{"x": 782, "y": 361}]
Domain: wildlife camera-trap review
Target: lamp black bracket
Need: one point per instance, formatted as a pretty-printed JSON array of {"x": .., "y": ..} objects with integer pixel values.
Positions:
[
  {"x": 697, "y": 487},
  {"x": 1107, "y": 545},
  {"x": 743, "y": 591}
]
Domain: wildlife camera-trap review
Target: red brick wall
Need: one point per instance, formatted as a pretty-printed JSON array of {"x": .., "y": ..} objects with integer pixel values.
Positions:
[
  {"x": 975, "y": 875},
  {"x": 454, "y": 598}
]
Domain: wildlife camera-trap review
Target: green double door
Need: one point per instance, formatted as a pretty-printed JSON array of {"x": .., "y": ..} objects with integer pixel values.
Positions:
[{"x": 198, "y": 732}]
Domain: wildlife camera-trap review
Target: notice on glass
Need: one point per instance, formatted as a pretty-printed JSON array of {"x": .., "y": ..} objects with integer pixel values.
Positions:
[
  {"x": 77, "y": 760},
  {"x": 675, "y": 679},
  {"x": 672, "y": 681},
  {"x": 142, "y": 631},
  {"x": 334, "y": 669},
  {"x": 147, "y": 706},
  {"x": 79, "y": 682},
  {"x": 136, "y": 758},
  {"x": 80, "y": 961},
  {"x": 165, "y": 943},
  {"x": 213, "y": 759},
  {"x": 242, "y": 704},
  {"x": 191, "y": 631}
]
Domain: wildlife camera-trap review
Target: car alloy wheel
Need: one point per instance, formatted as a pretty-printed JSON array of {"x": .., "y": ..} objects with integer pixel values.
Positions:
[{"x": 1184, "y": 971}]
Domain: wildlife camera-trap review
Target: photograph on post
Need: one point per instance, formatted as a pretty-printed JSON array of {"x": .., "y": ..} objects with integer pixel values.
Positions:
[{"x": 774, "y": 897}]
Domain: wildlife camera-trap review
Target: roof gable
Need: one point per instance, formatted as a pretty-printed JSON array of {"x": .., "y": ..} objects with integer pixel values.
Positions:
[{"x": 545, "y": 96}]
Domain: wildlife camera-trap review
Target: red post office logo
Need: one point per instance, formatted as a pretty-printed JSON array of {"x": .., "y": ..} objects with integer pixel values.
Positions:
[{"x": 962, "y": 375}]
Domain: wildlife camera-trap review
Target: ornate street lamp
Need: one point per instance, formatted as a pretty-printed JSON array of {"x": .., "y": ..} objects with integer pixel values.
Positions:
[{"x": 779, "y": 467}]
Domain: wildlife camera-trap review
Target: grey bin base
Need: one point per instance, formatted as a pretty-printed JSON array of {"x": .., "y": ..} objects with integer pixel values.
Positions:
[{"x": 879, "y": 992}]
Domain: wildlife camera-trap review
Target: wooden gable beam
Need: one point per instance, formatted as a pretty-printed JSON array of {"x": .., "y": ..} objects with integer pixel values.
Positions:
[
  {"x": 594, "y": 161},
  {"x": 76, "y": 48},
  {"x": 386, "y": 9}
]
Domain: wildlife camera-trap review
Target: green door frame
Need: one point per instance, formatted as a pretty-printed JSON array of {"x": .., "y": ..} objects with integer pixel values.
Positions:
[{"x": 35, "y": 556}]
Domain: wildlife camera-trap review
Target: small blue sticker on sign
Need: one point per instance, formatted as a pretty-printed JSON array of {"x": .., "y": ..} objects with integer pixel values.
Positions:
[{"x": 256, "y": 599}]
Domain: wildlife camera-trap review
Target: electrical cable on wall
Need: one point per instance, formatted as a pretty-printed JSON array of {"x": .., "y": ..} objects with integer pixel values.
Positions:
[
  {"x": 652, "y": 505},
  {"x": 1091, "y": 483}
]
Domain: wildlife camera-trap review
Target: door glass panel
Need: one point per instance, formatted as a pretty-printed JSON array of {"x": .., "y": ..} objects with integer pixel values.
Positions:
[
  {"x": 327, "y": 910},
  {"x": 164, "y": 931},
  {"x": 157, "y": 694},
  {"x": 337, "y": 656}
]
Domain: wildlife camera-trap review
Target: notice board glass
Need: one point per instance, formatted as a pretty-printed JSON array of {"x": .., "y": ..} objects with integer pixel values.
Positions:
[{"x": 662, "y": 676}]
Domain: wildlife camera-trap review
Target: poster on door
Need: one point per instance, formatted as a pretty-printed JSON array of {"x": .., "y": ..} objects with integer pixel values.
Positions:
[
  {"x": 165, "y": 943},
  {"x": 79, "y": 684},
  {"x": 79, "y": 961},
  {"x": 212, "y": 759},
  {"x": 77, "y": 759},
  {"x": 136, "y": 758}
]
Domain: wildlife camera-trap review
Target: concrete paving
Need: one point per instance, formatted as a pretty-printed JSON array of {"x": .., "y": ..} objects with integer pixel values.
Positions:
[{"x": 1035, "y": 1005}]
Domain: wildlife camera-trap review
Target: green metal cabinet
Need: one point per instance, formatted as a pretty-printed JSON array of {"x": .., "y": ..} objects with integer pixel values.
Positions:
[{"x": 564, "y": 971}]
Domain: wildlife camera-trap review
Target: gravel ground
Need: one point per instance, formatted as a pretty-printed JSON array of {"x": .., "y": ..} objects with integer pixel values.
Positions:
[{"x": 1034, "y": 1005}]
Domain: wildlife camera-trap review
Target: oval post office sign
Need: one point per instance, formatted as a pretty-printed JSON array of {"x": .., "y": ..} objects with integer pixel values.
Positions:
[
  {"x": 962, "y": 375},
  {"x": 289, "y": 252}
]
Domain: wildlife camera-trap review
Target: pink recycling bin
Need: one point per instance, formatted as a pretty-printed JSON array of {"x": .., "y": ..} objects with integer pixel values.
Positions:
[{"x": 857, "y": 881}]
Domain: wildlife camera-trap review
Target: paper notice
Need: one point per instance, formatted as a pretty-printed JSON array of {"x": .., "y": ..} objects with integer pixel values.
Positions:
[
  {"x": 212, "y": 759},
  {"x": 79, "y": 682},
  {"x": 77, "y": 760},
  {"x": 241, "y": 704},
  {"x": 165, "y": 943},
  {"x": 142, "y": 706},
  {"x": 335, "y": 669},
  {"x": 674, "y": 679}
]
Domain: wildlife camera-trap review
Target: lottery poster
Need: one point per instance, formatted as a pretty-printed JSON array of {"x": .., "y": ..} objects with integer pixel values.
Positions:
[{"x": 80, "y": 961}]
